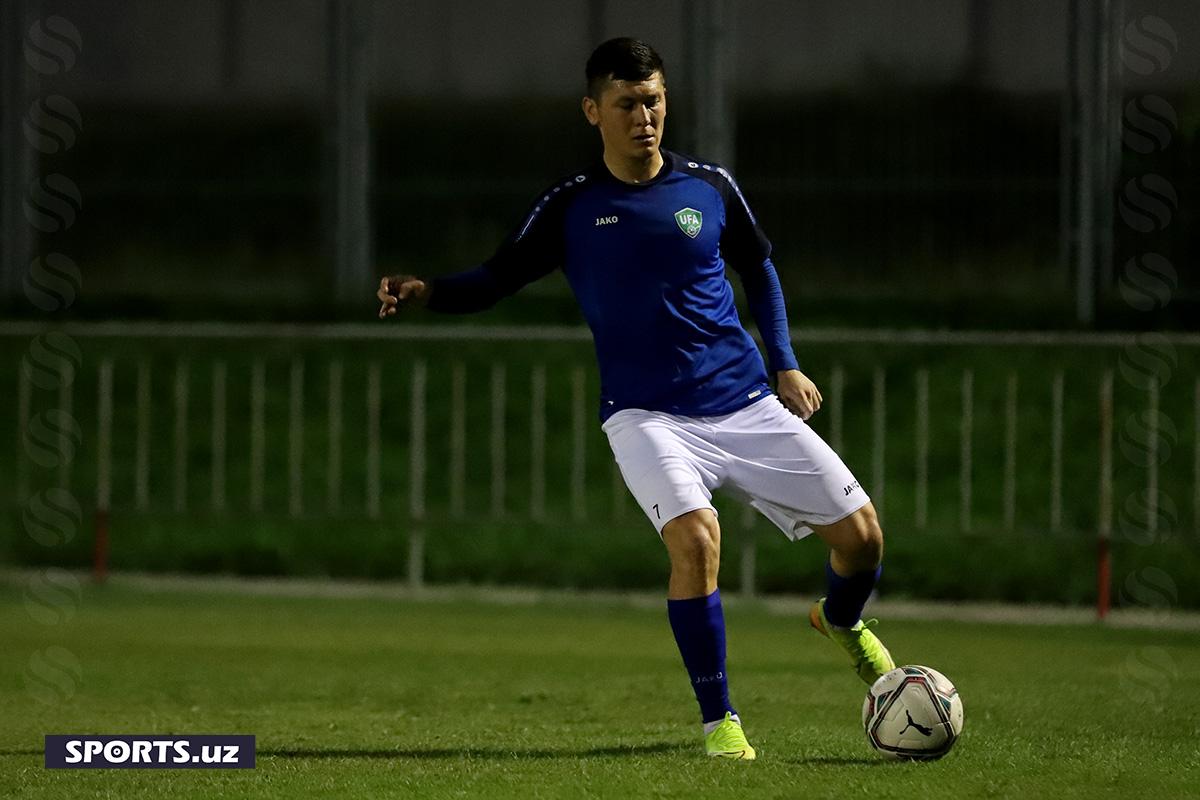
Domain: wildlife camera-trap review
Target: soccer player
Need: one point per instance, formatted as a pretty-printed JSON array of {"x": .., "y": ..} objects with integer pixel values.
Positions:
[{"x": 644, "y": 237}]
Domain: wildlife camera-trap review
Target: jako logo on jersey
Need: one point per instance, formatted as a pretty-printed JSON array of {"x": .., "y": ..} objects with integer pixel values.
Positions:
[
  {"x": 690, "y": 220},
  {"x": 606, "y": 221}
]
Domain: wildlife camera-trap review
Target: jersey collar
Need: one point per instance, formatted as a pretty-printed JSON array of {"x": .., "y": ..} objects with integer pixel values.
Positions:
[{"x": 667, "y": 166}]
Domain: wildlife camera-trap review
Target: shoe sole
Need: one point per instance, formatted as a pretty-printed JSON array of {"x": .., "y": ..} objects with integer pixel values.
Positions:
[{"x": 814, "y": 619}]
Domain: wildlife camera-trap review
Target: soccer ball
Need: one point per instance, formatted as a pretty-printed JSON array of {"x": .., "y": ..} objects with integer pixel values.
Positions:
[{"x": 913, "y": 713}]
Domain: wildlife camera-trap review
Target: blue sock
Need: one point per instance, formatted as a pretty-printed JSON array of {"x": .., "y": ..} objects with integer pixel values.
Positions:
[
  {"x": 846, "y": 596},
  {"x": 699, "y": 627}
]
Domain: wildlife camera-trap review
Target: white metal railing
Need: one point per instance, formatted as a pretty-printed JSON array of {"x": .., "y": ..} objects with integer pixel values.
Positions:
[
  {"x": 336, "y": 407},
  {"x": 568, "y": 333}
]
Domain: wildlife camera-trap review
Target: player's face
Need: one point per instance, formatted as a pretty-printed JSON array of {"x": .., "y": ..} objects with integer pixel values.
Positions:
[{"x": 630, "y": 116}]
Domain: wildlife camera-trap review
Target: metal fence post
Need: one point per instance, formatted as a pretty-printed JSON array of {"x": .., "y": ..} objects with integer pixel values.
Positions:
[
  {"x": 374, "y": 431},
  {"x": 104, "y": 424},
  {"x": 182, "y": 391},
  {"x": 296, "y": 438},
  {"x": 537, "y": 444},
  {"x": 499, "y": 455},
  {"x": 24, "y": 401},
  {"x": 1056, "y": 453},
  {"x": 620, "y": 496},
  {"x": 349, "y": 27},
  {"x": 1196, "y": 459},
  {"x": 1104, "y": 500},
  {"x": 578, "y": 444},
  {"x": 965, "y": 448},
  {"x": 878, "y": 437},
  {"x": 921, "y": 512},
  {"x": 218, "y": 436},
  {"x": 458, "y": 440},
  {"x": 416, "y": 481},
  {"x": 333, "y": 465},
  {"x": 258, "y": 433},
  {"x": 1010, "y": 452},
  {"x": 708, "y": 64},
  {"x": 141, "y": 469},
  {"x": 749, "y": 571},
  {"x": 66, "y": 447},
  {"x": 1152, "y": 423},
  {"x": 837, "y": 382}
]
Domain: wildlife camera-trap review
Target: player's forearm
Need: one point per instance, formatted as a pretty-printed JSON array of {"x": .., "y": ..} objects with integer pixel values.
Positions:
[
  {"x": 765, "y": 297},
  {"x": 465, "y": 292}
]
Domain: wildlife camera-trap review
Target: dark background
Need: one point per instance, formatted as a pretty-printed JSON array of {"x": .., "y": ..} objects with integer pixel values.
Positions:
[{"x": 912, "y": 163}]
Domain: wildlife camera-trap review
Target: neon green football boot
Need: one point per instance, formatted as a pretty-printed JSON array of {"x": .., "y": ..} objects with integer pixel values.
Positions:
[
  {"x": 728, "y": 740},
  {"x": 871, "y": 659}
]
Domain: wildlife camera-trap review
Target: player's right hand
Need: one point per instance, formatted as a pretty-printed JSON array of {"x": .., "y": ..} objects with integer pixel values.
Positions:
[
  {"x": 797, "y": 393},
  {"x": 400, "y": 291}
]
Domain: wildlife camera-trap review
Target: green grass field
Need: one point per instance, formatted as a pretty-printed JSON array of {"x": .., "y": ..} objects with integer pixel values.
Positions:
[{"x": 389, "y": 697}]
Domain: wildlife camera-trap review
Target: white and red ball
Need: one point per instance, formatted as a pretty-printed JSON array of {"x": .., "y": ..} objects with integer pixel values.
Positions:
[{"x": 914, "y": 713}]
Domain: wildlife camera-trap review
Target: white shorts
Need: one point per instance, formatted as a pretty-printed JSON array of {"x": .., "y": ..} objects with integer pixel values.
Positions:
[{"x": 763, "y": 454}]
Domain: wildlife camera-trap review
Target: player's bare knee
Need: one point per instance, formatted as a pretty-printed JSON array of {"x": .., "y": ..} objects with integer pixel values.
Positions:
[
  {"x": 694, "y": 542},
  {"x": 860, "y": 540},
  {"x": 697, "y": 552},
  {"x": 867, "y": 538}
]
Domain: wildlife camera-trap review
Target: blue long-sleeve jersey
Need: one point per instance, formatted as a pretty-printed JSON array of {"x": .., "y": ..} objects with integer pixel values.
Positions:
[{"x": 647, "y": 265}]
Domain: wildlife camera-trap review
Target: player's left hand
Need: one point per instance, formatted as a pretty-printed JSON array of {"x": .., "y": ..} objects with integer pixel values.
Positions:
[
  {"x": 798, "y": 394},
  {"x": 399, "y": 291}
]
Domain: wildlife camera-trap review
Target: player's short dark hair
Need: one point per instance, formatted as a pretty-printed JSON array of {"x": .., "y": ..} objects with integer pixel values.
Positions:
[{"x": 621, "y": 59}]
